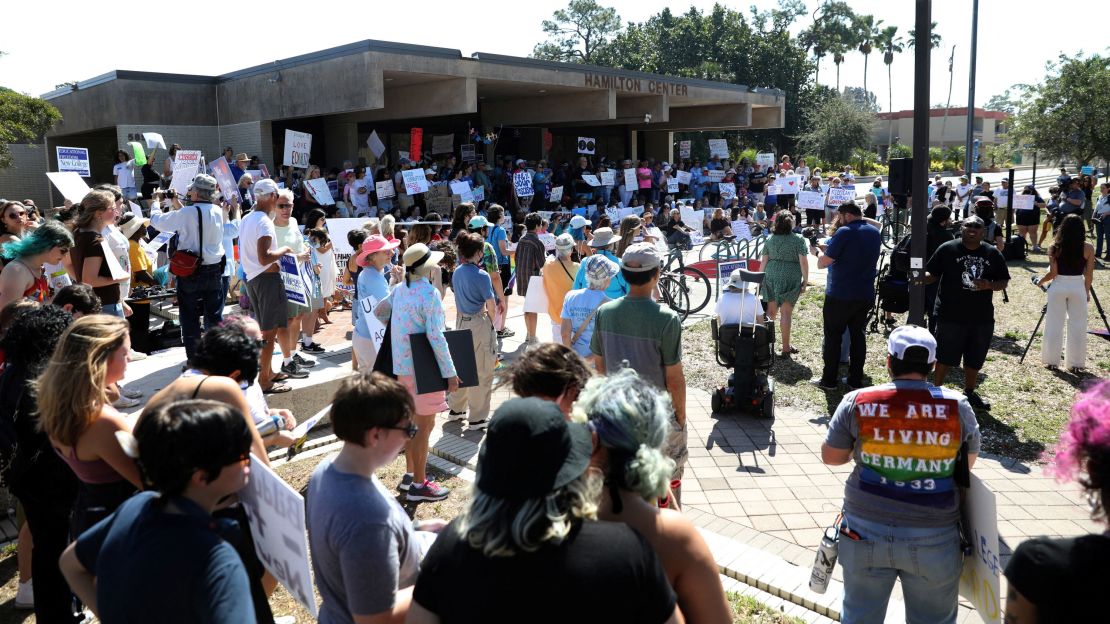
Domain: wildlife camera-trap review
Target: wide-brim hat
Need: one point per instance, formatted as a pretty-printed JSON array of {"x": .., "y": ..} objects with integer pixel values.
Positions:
[
  {"x": 420, "y": 255},
  {"x": 373, "y": 245},
  {"x": 131, "y": 226},
  {"x": 603, "y": 237},
  {"x": 531, "y": 437},
  {"x": 241, "y": 156}
]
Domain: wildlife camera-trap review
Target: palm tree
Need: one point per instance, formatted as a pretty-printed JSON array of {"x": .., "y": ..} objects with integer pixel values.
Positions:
[
  {"x": 891, "y": 44},
  {"x": 934, "y": 38},
  {"x": 838, "y": 49},
  {"x": 867, "y": 33}
]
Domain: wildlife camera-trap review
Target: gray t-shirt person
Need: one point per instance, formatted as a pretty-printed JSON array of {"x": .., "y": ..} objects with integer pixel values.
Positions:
[
  {"x": 363, "y": 549},
  {"x": 905, "y": 437}
]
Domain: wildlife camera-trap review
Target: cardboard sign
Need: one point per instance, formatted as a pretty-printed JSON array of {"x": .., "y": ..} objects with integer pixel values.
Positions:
[
  {"x": 385, "y": 189},
  {"x": 468, "y": 153},
  {"x": 367, "y": 305},
  {"x": 683, "y": 149},
  {"x": 741, "y": 230},
  {"x": 765, "y": 159},
  {"x": 75, "y": 159},
  {"x": 586, "y": 145},
  {"x": 298, "y": 149},
  {"x": 522, "y": 182},
  {"x": 683, "y": 177},
  {"x": 1024, "y": 202},
  {"x": 548, "y": 240},
  {"x": 811, "y": 200},
  {"x": 158, "y": 241},
  {"x": 715, "y": 175},
  {"x": 608, "y": 178},
  {"x": 428, "y": 377},
  {"x": 728, "y": 191},
  {"x": 255, "y": 174},
  {"x": 443, "y": 143},
  {"x": 838, "y": 196},
  {"x": 416, "y": 142},
  {"x": 591, "y": 179},
  {"x": 292, "y": 275},
  {"x": 979, "y": 582},
  {"x": 556, "y": 195},
  {"x": 221, "y": 170},
  {"x": 718, "y": 147},
  {"x": 672, "y": 185},
  {"x": 277, "y": 522},
  {"x": 375, "y": 144},
  {"x": 186, "y": 165},
  {"x": 416, "y": 181},
  {"x": 692, "y": 218},
  {"x": 320, "y": 191},
  {"x": 630, "y": 180},
  {"x": 789, "y": 184},
  {"x": 154, "y": 140}
]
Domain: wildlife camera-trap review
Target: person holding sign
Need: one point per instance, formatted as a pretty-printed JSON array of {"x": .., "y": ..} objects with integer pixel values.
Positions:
[
  {"x": 22, "y": 276},
  {"x": 301, "y": 317},
  {"x": 901, "y": 503},
  {"x": 93, "y": 262},
  {"x": 375, "y": 256},
  {"x": 476, "y": 306},
  {"x": 1029, "y": 219},
  {"x": 161, "y": 551},
  {"x": 123, "y": 174}
]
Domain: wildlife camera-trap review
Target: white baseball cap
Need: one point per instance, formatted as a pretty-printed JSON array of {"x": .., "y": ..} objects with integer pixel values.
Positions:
[
  {"x": 265, "y": 186},
  {"x": 908, "y": 336}
]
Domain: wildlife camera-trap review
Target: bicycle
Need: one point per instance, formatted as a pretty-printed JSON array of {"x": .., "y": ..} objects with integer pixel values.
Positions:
[
  {"x": 725, "y": 248},
  {"x": 691, "y": 288},
  {"x": 893, "y": 228}
]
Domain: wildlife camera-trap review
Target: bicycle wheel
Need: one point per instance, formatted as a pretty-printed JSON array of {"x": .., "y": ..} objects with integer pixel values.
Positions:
[
  {"x": 675, "y": 296},
  {"x": 892, "y": 232},
  {"x": 709, "y": 249},
  {"x": 697, "y": 287}
]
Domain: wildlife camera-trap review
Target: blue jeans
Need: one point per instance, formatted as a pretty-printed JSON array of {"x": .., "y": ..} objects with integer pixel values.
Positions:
[
  {"x": 927, "y": 560},
  {"x": 112, "y": 309},
  {"x": 1102, "y": 233},
  {"x": 200, "y": 294}
]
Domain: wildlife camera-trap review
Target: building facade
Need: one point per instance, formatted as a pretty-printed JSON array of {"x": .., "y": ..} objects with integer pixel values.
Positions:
[{"x": 944, "y": 130}]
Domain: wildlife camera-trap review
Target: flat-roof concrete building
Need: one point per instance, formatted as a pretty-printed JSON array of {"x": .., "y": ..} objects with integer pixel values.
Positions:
[
  {"x": 341, "y": 94},
  {"x": 951, "y": 130}
]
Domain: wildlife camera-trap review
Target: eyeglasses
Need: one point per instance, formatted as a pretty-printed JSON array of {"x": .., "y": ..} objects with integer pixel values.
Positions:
[
  {"x": 410, "y": 430},
  {"x": 285, "y": 205}
]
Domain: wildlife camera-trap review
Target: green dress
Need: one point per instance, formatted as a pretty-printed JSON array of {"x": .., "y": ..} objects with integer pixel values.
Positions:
[{"x": 783, "y": 280}]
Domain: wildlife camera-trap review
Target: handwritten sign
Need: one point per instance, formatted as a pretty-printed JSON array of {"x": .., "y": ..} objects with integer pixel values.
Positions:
[
  {"x": 728, "y": 191},
  {"x": 556, "y": 195},
  {"x": 692, "y": 218},
  {"x": 416, "y": 181},
  {"x": 385, "y": 189},
  {"x": 630, "y": 181},
  {"x": 479, "y": 194},
  {"x": 741, "y": 230},
  {"x": 375, "y": 144},
  {"x": 277, "y": 522},
  {"x": 548, "y": 240},
  {"x": 367, "y": 305},
  {"x": 979, "y": 582},
  {"x": 1024, "y": 202},
  {"x": 298, "y": 149},
  {"x": 586, "y": 145},
  {"x": 320, "y": 191},
  {"x": 522, "y": 182},
  {"x": 221, "y": 170},
  {"x": 75, "y": 159},
  {"x": 443, "y": 143},
  {"x": 591, "y": 179},
  {"x": 608, "y": 178},
  {"x": 789, "y": 184},
  {"x": 776, "y": 189},
  {"x": 765, "y": 159},
  {"x": 683, "y": 177},
  {"x": 683, "y": 149},
  {"x": 185, "y": 166},
  {"x": 810, "y": 200},
  {"x": 715, "y": 175},
  {"x": 718, "y": 147},
  {"x": 672, "y": 185},
  {"x": 838, "y": 196}
]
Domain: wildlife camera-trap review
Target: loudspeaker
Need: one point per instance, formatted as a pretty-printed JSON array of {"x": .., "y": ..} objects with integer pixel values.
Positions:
[{"x": 900, "y": 178}]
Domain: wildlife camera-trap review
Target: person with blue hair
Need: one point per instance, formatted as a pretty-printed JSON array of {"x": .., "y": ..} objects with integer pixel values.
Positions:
[
  {"x": 631, "y": 419},
  {"x": 23, "y": 275}
]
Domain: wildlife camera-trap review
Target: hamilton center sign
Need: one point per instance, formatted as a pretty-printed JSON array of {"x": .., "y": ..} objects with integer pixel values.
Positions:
[{"x": 634, "y": 85}]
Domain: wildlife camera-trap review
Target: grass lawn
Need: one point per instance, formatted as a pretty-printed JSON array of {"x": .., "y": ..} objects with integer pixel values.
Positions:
[
  {"x": 746, "y": 610},
  {"x": 1029, "y": 401}
]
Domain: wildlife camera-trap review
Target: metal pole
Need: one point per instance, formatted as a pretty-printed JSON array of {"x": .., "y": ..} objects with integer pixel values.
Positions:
[
  {"x": 1010, "y": 207},
  {"x": 922, "y": 51},
  {"x": 971, "y": 89},
  {"x": 1034, "y": 181}
]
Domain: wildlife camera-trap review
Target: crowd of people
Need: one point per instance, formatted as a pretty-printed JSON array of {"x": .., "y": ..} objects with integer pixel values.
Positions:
[{"x": 579, "y": 480}]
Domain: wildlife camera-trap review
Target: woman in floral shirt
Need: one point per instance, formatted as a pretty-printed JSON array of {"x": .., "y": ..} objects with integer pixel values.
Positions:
[{"x": 414, "y": 307}]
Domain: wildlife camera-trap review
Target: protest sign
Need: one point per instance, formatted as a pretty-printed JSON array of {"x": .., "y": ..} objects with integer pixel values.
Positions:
[
  {"x": 591, "y": 179},
  {"x": 402, "y": 155},
  {"x": 460, "y": 188},
  {"x": 715, "y": 175},
  {"x": 298, "y": 149},
  {"x": 221, "y": 170},
  {"x": 186, "y": 165},
  {"x": 416, "y": 142},
  {"x": 692, "y": 218},
  {"x": 608, "y": 178},
  {"x": 718, "y": 147},
  {"x": 115, "y": 262},
  {"x": 683, "y": 177},
  {"x": 136, "y": 210},
  {"x": 479, "y": 194},
  {"x": 303, "y": 428},
  {"x": 255, "y": 174},
  {"x": 672, "y": 185},
  {"x": 789, "y": 184},
  {"x": 416, "y": 181},
  {"x": 1024, "y": 202},
  {"x": 277, "y": 523},
  {"x": 838, "y": 196},
  {"x": 556, "y": 195},
  {"x": 468, "y": 154},
  {"x": 337, "y": 231},
  {"x": 579, "y": 211},
  {"x": 75, "y": 159},
  {"x": 765, "y": 159},
  {"x": 741, "y": 230},
  {"x": 586, "y": 145},
  {"x": 443, "y": 143},
  {"x": 138, "y": 155},
  {"x": 776, "y": 189},
  {"x": 617, "y": 214},
  {"x": 630, "y": 181},
  {"x": 385, "y": 189},
  {"x": 811, "y": 200},
  {"x": 154, "y": 140},
  {"x": 979, "y": 582},
  {"x": 375, "y": 144},
  {"x": 728, "y": 191},
  {"x": 320, "y": 191},
  {"x": 377, "y": 329},
  {"x": 522, "y": 182},
  {"x": 548, "y": 240},
  {"x": 726, "y": 269},
  {"x": 1087, "y": 170},
  {"x": 683, "y": 149},
  {"x": 296, "y": 287},
  {"x": 158, "y": 241}
]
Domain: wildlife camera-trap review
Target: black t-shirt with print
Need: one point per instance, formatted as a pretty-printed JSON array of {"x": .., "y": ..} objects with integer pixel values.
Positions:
[{"x": 957, "y": 267}]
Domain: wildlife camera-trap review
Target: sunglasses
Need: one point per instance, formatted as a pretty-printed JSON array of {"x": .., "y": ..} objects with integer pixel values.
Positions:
[
  {"x": 18, "y": 215},
  {"x": 285, "y": 205},
  {"x": 410, "y": 430}
]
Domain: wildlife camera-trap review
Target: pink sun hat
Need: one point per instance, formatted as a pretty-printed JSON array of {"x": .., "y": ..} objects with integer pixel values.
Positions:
[{"x": 372, "y": 245}]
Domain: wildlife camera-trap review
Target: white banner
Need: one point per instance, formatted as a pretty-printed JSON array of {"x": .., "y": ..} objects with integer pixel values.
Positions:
[
  {"x": 277, "y": 522},
  {"x": 630, "y": 181},
  {"x": 591, "y": 179},
  {"x": 522, "y": 182},
  {"x": 298, "y": 149},
  {"x": 69, "y": 184},
  {"x": 375, "y": 144},
  {"x": 715, "y": 175},
  {"x": 980, "y": 582},
  {"x": 468, "y": 153},
  {"x": 741, "y": 230},
  {"x": 443, "y": 143},
  {"x": 683, "y": 177},
  {"x": 765, "y": 159},
  {"x": 320, "y": 191},
  {"x": 556, "y": 195},
  {"x": 692, "y": 218},
  {"x": 838, "y": 196},
  {"x": 416, "y": 181},
  {"x": 186, "y": 165},
  {"x": 586, "y": 145},
  {"x": 718, "y": 147},
  {"x": 337, "y": 232},
  {"x": 462, "y": 189},
  {"x": 385, "y": 189},
  {"x": 75, "y": 159},
  {"x": 810, "y": 200},
  {"x": 154, "y": 140},
  {"x": 1024, "y": 202}
]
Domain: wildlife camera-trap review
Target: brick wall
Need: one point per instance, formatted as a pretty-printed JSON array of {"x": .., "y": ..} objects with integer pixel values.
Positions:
[
  {"x": 251, "y": 137},
  {"x": 26, "y": 177}
]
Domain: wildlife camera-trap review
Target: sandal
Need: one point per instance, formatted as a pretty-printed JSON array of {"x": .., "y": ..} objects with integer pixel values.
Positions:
[
  {"x": 790, "y": 351},
  {"x": 278, "y": 388},
  {"x": 279, "y": 377}
]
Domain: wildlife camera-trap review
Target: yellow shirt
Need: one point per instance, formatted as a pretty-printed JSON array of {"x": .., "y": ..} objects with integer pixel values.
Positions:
[
  {"x": 139, "y": 260},
  {"x": 557, "y": 283}
]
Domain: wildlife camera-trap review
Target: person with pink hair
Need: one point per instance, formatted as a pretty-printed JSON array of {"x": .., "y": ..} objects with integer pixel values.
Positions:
[{"x": 1060, "y": 580}]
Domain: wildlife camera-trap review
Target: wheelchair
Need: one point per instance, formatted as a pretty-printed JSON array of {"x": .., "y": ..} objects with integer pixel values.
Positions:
[
  {"x": 749, "y": 350},
  {"x": 892, "y": 294}
]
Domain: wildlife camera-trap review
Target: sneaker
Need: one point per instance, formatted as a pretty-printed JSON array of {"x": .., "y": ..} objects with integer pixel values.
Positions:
[
  {"x": 478, "y": 425},
  {"x": 406, "y": 483},
  {"x": 454, "y": 416},
  {"x": 825, "y": 385},
  {"x": 294, "y": 370},
  {"x": 976, "y": 401},
  {"x": 135, "y": 356},
  {"x": 305, "y": 362},
  {"x": 131, "y": 394},
  {"x": 126, "y": 403},
  {"x": 313, "y": 348},
  {"x": 506, "y": 333},
  {"x": 25, "y": 596},
  {"x": 531, "y": 340},
  {"x": 427, "y": 491}
]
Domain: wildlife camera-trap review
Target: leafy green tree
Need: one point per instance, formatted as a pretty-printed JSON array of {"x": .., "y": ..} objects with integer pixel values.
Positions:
[
  {"x": 1007, "y": 101},
  {"x": 899, "y": 150},
  {"x": 891, "y": 44},
  {"x": 23, "y": 119},
  {"x": 576, "y": 32},
  {"x": 867, "y": 33},
  {"x": 862, "y": 98},
  {"x": 1066, "y": 114},
  {"x": 836, "y": 127}
]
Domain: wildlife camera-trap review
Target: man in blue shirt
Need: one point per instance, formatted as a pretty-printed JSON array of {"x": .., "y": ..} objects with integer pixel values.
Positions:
[
  {"x": 850, "y": 257},
  {"x": 476, "y": 306}
]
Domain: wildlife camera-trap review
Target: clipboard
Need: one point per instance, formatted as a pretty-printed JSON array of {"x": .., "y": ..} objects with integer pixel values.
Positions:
[{"x": 461, "y": 345}]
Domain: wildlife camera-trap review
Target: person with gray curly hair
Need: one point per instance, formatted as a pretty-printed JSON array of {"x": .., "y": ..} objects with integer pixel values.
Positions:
[{"x": 631, "y": 420}]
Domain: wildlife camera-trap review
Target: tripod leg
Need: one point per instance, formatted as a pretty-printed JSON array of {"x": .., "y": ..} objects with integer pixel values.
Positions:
[
  {"x": 1098, "y": 306},
  {"x": 1033, "y": 335}
]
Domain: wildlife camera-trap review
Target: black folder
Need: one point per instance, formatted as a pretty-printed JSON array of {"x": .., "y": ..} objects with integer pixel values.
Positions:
[{"x": 428, "y": 377}]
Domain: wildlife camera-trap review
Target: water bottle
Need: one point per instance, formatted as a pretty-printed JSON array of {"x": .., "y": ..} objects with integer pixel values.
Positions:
[{"x": 825, "y": 561}]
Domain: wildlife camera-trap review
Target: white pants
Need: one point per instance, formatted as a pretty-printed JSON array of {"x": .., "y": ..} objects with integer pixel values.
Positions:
[
  {"x": 557, "y": 333},
  {"x": 1067, "y": 300}
]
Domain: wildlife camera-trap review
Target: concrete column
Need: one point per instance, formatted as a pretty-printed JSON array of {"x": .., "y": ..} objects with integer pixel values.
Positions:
[
  {"x": 633, "y": 148},
  {"x": 340, "y": 141},
  {"x": 659, "y": 145}
]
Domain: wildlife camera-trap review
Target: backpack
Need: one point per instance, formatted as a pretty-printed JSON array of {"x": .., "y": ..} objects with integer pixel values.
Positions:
[{"x": 900, "y": 259}]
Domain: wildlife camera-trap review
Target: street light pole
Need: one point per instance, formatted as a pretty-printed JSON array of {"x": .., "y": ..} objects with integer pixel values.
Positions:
[
  {"x": 919, "y": 179},
  {"x": 971, "y": 88}
]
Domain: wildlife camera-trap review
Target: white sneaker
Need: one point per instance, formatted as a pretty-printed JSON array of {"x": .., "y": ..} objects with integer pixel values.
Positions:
[
  {"x": 25, "y": 596},
  {"x": 135, "y": 356},
  {"x": 131, "y": 394},
  {"x": 126, "y": 403}
]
